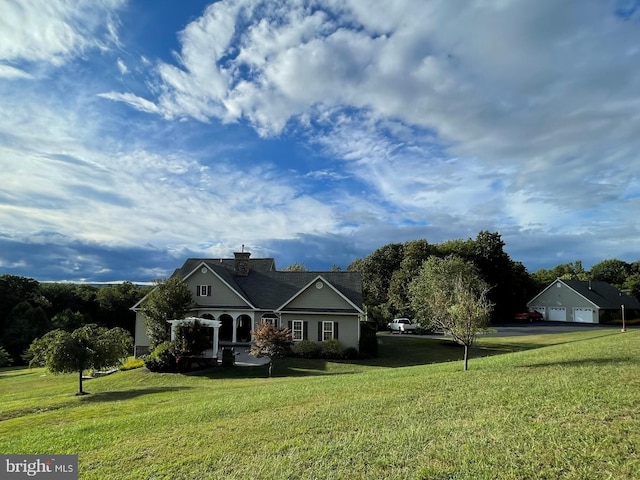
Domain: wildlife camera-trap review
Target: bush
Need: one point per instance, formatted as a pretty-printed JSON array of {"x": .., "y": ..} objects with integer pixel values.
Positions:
[
  {"x": 350, "y": 353},
  {"x": 332, "y": 348},
  {"x": 132, "y": 363},
  {"x": 162, "y": 359},
  {"x": 306, "y": 349},
  {"x": 5, "y": 358},
  {"x": 368, "y": 340}
]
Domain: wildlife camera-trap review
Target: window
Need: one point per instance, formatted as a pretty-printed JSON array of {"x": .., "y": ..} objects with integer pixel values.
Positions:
[
  {"x": 297, "y": 330},
  {"x": 270, "y": 318},
  {"x": 203, "y": 290},
  {"x": 327, "y": 330}
]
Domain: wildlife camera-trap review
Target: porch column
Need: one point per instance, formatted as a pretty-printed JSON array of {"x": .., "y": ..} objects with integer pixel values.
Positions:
[{"x": 234, "y": 335}]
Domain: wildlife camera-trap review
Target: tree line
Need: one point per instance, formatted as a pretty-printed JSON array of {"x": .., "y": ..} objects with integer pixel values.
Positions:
[
  {"x": 29, "y": 309},
  {"x": 388, "y": 272}
]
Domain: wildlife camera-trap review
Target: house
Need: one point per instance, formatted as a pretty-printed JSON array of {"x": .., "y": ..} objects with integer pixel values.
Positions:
[
  {"x": 236, "y": 295},
  {"x": 584, "y": 301}
]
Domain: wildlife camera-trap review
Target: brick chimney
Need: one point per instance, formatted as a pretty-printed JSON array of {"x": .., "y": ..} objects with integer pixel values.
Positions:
[{"x": 242, "y": 263}]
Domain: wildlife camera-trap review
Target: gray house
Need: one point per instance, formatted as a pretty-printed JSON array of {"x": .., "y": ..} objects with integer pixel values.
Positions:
[
  {"x": 582, "y": 301},
  {"x": 238, "y": 294}
]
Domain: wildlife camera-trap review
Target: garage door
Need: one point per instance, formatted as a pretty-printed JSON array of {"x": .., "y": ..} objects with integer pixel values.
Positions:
[
  {"x": 584, "y": 315},
  {"x": 559, "y": 314}
]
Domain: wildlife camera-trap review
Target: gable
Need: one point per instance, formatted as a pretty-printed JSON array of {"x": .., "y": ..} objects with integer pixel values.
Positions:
[
  {"x": 559, "y": 294},
  {"x": 209, "y": 289},
  {"x": 583, "y": 293},
  {"x": 319, "y": 295}
]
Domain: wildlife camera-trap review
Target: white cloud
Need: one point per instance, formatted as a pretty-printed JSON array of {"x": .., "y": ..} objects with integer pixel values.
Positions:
[
  {"x": 53, "y": 31},
  {"x": 122, "y": 67},
  {"x": 9, "y": 72},
  {"x": 134, "y": 101}
]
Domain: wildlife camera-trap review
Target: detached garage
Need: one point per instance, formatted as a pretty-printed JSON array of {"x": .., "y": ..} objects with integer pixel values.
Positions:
[{"x": 581, "y": 301}]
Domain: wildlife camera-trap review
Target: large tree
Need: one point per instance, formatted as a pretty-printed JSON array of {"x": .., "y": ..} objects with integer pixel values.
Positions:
[
  {"x": 449, "y": 294},
  {"x": 612, "y": 271},
  {"x": 87, "y": 347},
  {"x": 24, "y": 324},
  {"x": 169, "y": 300}
]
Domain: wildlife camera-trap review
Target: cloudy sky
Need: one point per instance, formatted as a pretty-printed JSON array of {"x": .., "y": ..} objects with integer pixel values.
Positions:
[{"x": 136, "y": 134}]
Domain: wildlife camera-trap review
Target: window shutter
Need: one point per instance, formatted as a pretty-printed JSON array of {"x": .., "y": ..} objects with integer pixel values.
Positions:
[
  {"x": 319, "y": 331},
  {"x": 208, "y": 290},
  {"x": 305, "y": 330},
  {"x": 290, "y": 323},
  {"x": 335, "y": 330}
]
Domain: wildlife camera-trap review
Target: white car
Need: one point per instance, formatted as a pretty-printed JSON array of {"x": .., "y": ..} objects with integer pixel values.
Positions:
[{"x": 402, "y": 325}]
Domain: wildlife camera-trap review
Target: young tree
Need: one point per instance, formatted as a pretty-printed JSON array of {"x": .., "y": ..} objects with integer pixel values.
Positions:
[
  {"x": 271, "y": 342},
  {"x": 169, "y": 300},
  {"x": 87, "y": 347},
  {"x": 450, "y": 295}
]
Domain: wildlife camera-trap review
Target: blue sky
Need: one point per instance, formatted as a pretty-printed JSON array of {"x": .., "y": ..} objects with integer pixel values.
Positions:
[{"x": 136, "y": 134}]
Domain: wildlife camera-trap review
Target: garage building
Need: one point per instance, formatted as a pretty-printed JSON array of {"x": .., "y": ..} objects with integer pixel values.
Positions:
[{"x": 583, "y": 301}]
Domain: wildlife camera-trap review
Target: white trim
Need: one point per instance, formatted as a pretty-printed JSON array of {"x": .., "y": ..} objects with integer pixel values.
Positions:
[
  {"x": 312, "y": 282},
  {"x": 204, "y": 264},
  {"x": 293, "y": 330},
  {"x": 331, "y": 330}
]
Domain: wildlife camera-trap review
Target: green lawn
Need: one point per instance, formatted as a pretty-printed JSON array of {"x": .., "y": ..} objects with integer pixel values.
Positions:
[{"x": 537, "y": 407}]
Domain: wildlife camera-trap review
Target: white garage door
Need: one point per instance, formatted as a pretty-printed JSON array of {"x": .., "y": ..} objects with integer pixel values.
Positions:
[
  {"x": 583, "y": 315},
  {"x": 558, "y": 314}
]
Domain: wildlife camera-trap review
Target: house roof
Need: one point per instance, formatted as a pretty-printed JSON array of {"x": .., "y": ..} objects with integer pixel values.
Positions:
[
  {"x": 268, "y": 289},
  {"x": 601, "y": 294}
]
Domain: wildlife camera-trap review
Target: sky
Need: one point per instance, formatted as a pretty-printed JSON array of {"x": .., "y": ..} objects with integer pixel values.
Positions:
[{"x": 135, "y": 134}]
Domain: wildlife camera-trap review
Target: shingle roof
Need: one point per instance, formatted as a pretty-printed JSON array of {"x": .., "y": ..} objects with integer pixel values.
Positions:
[
  {"x": 268, "y": 289},
  {"x": 603, "y": 294}
]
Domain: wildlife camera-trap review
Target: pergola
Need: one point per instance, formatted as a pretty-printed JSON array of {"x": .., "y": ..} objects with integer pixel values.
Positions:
[{"x": 185, "y": 322}]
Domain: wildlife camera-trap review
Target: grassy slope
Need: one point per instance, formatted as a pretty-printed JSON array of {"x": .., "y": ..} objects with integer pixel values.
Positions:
[{"x": 569, "y": 408}]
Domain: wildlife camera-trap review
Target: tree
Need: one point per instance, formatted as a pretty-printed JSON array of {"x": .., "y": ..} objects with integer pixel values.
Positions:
[
  {"x": 169, "y": 300},
  {"x": 13, "y": 290},
  {"x": 295, "y": 267},
  {"x": 24, "y": 324},
  {"x": 450, "y": 295},
  {"x": 68, "y": 320},
  {"x": 376, "y": 271},
  {"x": 87, "y": 347},
  {"x": 612, "y": 271},
  {"x": 115, "y": 303},
  {"x": 271, "y": 342}
]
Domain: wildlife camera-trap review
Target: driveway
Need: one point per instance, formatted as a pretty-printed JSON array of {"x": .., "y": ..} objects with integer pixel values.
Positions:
[{"x": 538, "y": 328}]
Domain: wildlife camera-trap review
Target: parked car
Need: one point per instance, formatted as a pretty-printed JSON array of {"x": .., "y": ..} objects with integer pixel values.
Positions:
[
  {"x": 530, "y": 316},
  {"x": 402, "y": 325}
]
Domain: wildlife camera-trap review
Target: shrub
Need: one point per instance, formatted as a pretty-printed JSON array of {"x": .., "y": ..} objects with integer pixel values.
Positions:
[
  {"x": 306, "y": 349},
  {"x": 332, "y": 348},
  {"x": 162, "y": 359},
  {"x": 351, "y": 353},
  {"x": 5, "y": 358},
  {"x": 132, "y": 363},
  {"x": 368, "y": 340}
]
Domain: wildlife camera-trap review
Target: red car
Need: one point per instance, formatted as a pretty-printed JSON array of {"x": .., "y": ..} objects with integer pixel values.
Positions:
[{"x": 531, "y": 316}]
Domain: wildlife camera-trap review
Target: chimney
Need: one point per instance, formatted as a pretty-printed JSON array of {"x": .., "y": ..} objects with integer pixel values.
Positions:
[{"x": 242, "y": 263}]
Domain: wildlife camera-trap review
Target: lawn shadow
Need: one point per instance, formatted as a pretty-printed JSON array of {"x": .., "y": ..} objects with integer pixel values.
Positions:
[
  {"x": 583, "y": 362},
  {"x": 116, "y": 395}
]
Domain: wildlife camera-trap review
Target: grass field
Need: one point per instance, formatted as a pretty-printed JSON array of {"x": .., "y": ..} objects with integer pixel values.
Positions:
[{"x": 538, "y": 407}]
